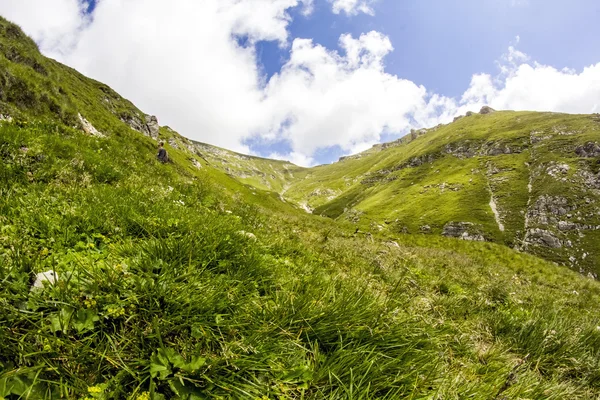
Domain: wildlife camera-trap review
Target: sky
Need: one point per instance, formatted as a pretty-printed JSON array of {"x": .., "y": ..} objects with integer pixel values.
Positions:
[{"x": 312, "y": 80}]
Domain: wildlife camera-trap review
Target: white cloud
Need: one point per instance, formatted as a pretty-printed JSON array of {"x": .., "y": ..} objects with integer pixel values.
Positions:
[
  {"x": 185, "y": 65},
  {"x": 52, "y": 24},
  {"x": 322, "y": 98},
  {"x": 352, "y": 7}
]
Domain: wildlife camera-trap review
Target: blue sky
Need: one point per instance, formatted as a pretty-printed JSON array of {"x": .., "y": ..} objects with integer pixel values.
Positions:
[
  {"x": 440, "y": 44},
  {"x": 270, "y": 92}
]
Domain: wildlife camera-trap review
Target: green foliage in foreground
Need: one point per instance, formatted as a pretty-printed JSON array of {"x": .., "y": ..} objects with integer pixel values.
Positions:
[{"x": 162, "y": 294}]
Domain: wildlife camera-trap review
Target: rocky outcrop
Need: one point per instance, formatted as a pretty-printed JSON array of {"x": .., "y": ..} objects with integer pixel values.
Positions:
[
  {"x": 486, "y": 110},
  {"x": 88, "y": 127},
  {"x": 590, "y": 149},
  {"x": 543, "y": 237},
  {"x": 463, "y": 230},
  {"x": 148, "y": 127},
  {"x": 589, "y": 179},
  {"x": 152, "y": 126},
  {"x": 547, "y": 209}
]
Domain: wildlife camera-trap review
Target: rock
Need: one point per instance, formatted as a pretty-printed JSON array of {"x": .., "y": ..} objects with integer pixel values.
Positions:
[
  {"x": 469, "y": 113},
  {"x": 135, "y": 123},
  {"x": 590, "y": 149},
  {"x": 463, "y": 230},
  {"x": 486, "y": 110},
  {"x": 566, "y": 226},
  {"x": 6, "y": 118},
  {"x": 173, "y": 143},
  {"x": 42, "y": 278},
  {"x": 543, "y": 238},
  {"x": 196, "y": 163},
  {"x": 425, "y": 229},
  {"x": 249, "y": 235},
  {"x": 152, "y": 125},
  {"x": 558, "y": 169},
  {"x": 457, "y": 118},
  {"x": 88, "y": 127}
]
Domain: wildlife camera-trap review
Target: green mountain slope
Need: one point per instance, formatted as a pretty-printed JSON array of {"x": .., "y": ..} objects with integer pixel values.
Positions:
[
  {"x": 178, "y": 281},
  {"x": 527, "y": 180}
]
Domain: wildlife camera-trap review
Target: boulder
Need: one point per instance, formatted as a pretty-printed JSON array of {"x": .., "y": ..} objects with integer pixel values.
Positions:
[
  {"x": 590, "y": 149},
  {"x": 543, "y": 238},
  {"x": 486, "y": 110},
  {"x": 463, "y": 230},
  {"x": 45, "y": 278},
  {"x": 152, "y": 125}
]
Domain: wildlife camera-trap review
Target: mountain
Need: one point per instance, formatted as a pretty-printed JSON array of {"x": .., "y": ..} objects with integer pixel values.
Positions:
[
  {"x": 528, "y": 180},
  {"x": 205, "y": 278}
]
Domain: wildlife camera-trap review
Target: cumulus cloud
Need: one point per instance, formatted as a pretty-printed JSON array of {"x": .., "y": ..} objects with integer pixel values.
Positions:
[
  {"x": 524, "y": 85},
  {"x": 195, "y": 66},
  {"x": 322, "y": 98},
  {"x": 352, "y": 7},
  {"x": 52, "y": 24}
]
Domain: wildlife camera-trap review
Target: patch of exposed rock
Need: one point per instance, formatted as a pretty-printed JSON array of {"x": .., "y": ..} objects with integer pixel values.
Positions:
[
  {"x": 88, "y": 127},
  {"x": 558, "y": 171},
  {"x": 590, "y": 180},
  {"x": 590, "y": 149},
  {"x": 152, "y": 126},
  {"x": 542, "y": 237},
  {"x": 486, "y": 110},
  {"x": 330, "y": 193},
  {"x": 148, "y": 127},
  {"x": 463, "y": 230},
  {"x": 6, "y": 118},
  {"x": 547, "y": 209}
]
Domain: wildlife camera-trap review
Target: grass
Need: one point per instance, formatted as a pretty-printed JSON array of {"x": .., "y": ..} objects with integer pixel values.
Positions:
[
  {"x": 163, "y": 294},
  {"x": 458, "y": 173}
]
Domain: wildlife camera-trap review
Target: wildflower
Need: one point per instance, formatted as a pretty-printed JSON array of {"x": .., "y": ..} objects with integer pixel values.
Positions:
[
  {"x": 143, "y": 396},
  {"x": 115, "y": 311},
  {"x": 94, "y": 389},
  {"x": 89, "y": 303}
]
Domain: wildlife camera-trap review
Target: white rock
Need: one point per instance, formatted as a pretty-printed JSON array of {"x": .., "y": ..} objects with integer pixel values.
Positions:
[
  {"x": 249, "y": 235},
  {"x": 43, "y": 277}
]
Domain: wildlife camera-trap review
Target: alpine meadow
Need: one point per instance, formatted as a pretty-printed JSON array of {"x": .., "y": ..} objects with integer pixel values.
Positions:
[{"x": 458, "y": 262}]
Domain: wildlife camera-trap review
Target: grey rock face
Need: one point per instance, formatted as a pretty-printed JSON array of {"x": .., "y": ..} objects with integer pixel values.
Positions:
[
  {"x": 566, "y": 226},
  {"x": 136, "y": 123},
  {"x": 463, "y": 230},
  {"x": 152, "y": 126},
  {"x": 543, "y": 238},
  {"x": 425, "y": 229},
  {"x": 547, "y": 209},
  {"x": 590, "y": 149},
  {"x": 486, "y": 110}
]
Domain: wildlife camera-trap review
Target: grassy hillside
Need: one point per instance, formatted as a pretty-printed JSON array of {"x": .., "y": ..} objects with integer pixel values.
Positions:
[
  {"x": 177, "y": 281},
  {"x": 529, "y": 167}
]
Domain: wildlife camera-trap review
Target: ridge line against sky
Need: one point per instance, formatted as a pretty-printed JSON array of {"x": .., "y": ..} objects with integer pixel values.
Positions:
[{"x": 312, "y": 80}]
